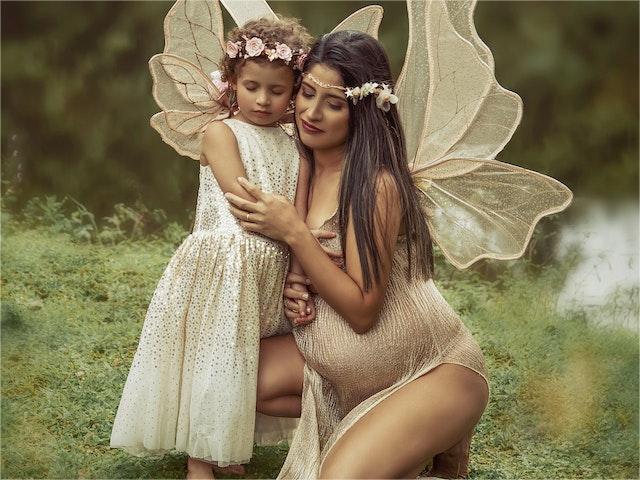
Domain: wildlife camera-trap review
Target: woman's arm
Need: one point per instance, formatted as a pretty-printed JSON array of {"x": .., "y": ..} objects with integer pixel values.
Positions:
[
  {"x": 305, "y": 306},
  {"x": 344, "y": 291}
]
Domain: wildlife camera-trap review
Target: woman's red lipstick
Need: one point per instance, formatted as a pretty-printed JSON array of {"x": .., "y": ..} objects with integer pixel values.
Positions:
[{"x": 310, "y": 128}]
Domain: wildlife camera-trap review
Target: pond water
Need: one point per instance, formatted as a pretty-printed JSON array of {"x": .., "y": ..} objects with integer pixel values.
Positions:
[{"x": 604, "y": 284}]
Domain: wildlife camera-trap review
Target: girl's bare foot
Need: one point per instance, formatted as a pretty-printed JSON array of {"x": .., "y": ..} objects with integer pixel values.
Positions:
[
  {"x": 230, "y": 470},
  {"x": 199, "y": 470}
]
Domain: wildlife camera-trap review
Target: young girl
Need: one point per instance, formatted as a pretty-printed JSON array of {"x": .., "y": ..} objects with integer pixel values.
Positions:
[{"x": 192, "y": 385}]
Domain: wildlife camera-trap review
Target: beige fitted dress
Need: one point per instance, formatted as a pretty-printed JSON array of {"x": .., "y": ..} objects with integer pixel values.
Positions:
[{"x": 347, "y": 374}]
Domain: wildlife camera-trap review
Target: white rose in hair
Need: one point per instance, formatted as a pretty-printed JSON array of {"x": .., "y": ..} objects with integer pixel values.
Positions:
[
  {"x": 254, "y": 47},
  {"x": 232, "y": 49},
  {"x": 386, "y": 98},
  {"x": 284, "y": 52},
  {"x": 355, "y": 94}
]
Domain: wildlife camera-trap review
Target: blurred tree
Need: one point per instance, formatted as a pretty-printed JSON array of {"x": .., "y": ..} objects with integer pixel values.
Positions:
[{"x": 76, "y": 95}]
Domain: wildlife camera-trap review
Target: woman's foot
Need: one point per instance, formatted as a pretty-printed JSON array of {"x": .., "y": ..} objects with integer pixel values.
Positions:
[
  {"x": 230, "y": 470},
  {"x": 452, "y": 463},
  {"x": 199, "y": 470}
]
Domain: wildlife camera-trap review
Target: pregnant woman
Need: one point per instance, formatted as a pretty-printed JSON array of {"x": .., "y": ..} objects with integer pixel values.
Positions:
[{"x": 387, "y": 361}]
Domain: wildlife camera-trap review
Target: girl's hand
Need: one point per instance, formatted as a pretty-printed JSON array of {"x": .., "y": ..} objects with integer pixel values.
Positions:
[
  {"x": 304, "y": 310},
  {"x": 292, "y": 297},
  {"x": 270, "y": 215}
]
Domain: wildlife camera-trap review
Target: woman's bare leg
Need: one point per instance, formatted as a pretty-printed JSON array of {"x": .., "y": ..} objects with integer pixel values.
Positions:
[
  {"x": 280, "y": 377},
  {"x": 454, "y": 462},
  {"x": 425, "y": 417}
]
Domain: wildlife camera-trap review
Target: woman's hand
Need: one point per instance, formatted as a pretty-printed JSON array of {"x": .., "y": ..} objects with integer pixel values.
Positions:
[
  {"x": 271, "y": 215},
  {"x": 335, "y": 255}
]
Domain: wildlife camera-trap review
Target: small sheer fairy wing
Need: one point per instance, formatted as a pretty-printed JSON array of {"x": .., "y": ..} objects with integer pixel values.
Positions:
[
  {"x": 245, "y": 10},
  {"x": 189, "y": 101},
  {"x": 170, "y": 127},
  {"x": 450, "y": 103},
  {"x": 180, "y": 85},
  {"x": 479, "y": 208},
  {"x": 365, "y": 20},
  {"x": 194, "y": 31}
]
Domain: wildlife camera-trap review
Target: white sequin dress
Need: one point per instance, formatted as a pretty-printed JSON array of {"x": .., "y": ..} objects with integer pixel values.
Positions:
[{"x": 192, "y": 384}]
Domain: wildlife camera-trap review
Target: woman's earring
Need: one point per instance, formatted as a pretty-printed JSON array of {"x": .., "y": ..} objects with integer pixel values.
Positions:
[{"x": 292, "y": 106}]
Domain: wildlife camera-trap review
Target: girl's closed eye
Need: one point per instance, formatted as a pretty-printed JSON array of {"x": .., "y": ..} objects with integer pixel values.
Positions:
[{"x": 251, "y": 86}]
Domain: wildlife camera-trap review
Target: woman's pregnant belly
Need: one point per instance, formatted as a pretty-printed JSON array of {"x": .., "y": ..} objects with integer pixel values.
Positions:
[{"x": 409, "y": 334}]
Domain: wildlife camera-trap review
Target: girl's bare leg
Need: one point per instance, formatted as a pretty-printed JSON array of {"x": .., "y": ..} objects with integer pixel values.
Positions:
[
  {"x": 425, "y": 417},
  {"x": 199, "y": 469},
  {"x": 280, "y": 377}
]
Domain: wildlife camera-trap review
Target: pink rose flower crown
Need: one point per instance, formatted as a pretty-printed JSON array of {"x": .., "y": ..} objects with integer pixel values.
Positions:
[{"x": 255, "y": 47}]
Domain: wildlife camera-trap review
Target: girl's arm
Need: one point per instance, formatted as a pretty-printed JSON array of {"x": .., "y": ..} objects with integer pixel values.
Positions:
[
  {"x": 220, "y": 151},
  {"x": 343, "y": 290}
]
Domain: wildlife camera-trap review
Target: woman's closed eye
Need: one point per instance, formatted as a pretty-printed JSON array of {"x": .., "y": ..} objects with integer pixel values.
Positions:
[{"x": 306, "y": 93}]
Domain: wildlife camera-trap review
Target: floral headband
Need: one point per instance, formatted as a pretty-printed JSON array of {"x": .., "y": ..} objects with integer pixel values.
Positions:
[
  {"x": 254, "y": 47},
  {"x": 384, "y": 94}
]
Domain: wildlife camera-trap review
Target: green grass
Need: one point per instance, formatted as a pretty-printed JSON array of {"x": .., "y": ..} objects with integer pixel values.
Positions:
[{"x": 564, "y": 399}]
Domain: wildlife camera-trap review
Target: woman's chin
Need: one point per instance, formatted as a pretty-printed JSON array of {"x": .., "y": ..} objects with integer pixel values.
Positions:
[{"x": 312, "y": 141}]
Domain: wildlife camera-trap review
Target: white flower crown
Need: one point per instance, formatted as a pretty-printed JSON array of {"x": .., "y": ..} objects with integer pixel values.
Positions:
[{"x": 384, "y": 94}]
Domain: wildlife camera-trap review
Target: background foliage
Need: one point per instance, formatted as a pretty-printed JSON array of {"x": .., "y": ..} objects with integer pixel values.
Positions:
[
  {"x": 564, "y": 395},
  {"x": 76, "y": 95}
]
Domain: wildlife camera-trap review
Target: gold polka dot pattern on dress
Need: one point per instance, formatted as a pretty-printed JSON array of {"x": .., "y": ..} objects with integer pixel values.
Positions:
[{"x": 192, "y": 384}]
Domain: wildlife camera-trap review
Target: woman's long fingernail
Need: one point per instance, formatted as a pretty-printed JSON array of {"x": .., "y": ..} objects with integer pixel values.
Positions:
[
  {"x": 305, "y": 296},
  {"x": 308, "y": 309}
]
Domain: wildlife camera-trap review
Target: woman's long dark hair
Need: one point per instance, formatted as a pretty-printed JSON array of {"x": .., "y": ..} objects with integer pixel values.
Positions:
[{"x": 375, "y": 144}]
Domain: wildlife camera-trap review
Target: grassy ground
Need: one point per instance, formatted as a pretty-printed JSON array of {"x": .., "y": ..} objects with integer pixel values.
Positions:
[{"x": 564, "y": 398}]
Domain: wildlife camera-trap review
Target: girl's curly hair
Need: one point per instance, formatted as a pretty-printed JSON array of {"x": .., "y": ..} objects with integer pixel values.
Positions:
[{"x": 281, "y": 30}]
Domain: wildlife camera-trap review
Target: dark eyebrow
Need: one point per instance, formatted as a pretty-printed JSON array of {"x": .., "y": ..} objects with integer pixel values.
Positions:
[{"x": 308, "y": 85}]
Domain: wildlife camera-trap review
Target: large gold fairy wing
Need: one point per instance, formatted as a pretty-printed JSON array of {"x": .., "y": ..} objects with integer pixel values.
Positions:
[
  {"x": 365, "y": 20},
  {"x": 450, "y": 103},
  {"x": 457, "y": 118},
  {"x": 479, "y": 208},
  {"x": 244, "y": 10},
  {"x": 188, "y": 99},
  {"x": 193, "y": 30}
]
